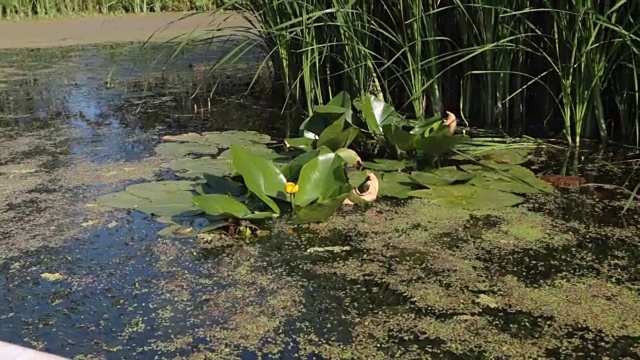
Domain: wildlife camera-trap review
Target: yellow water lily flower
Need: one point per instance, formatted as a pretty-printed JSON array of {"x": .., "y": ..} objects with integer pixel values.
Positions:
[{"x": 291, "y": 188}]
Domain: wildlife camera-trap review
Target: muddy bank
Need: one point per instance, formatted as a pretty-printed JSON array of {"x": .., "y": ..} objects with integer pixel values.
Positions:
[{"x": 110, "y": 29}]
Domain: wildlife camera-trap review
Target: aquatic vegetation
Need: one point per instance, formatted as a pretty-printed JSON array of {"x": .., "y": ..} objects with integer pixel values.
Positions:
[{"x": 248, "y": 180}]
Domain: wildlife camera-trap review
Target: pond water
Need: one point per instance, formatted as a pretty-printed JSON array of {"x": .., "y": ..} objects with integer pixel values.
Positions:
[{"x": 557, "y": 277}]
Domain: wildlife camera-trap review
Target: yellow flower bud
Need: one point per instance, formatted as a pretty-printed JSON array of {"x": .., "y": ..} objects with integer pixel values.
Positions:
[{"x": 291, "y": 188}]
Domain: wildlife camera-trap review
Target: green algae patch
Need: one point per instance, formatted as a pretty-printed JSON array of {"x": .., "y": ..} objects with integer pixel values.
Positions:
[
  {"x": 593, "y": 303},
  {"x": 445, "y": 283}
]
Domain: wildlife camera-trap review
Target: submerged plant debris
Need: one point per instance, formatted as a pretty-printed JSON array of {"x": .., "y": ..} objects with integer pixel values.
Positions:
[{"x": 554, "y": 277}]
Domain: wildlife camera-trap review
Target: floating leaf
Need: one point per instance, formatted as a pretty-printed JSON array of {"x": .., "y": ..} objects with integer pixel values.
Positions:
[
  {"x": 439, "y": 177},
  {"x": 451, "y": 173},
  {"x": 396, "y": 185},
  {"x": 503, "y": 184},
  {"x": 429, "y": 179},
  {"x": 260, "y": 176},
  {"x": 232, "y": 137},
  {"x": 436, "y": 145},
  {"x": 174, "y": 150},
  {"x": 155, "y": 189},
  {"x": 157, "y": 203},
  {"x": 199, "y": 167},
  {"x": 256, "y": 149},
  {"x": 527, "y": 176},
  {"x": 468, "y": 197},
  {"x": 385, "y": 165},
  {"x": 220, "y": 185},
  {"x": 321, "y": 178},
  {"x": 221, "y": 138},
  {"x": 513, "y": 156}
]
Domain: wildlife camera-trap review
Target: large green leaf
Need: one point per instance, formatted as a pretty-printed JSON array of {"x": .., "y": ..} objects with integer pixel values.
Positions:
[
  {"x": 292, "y": 169},
  {"x": 428, "y": 126},
  {"x": 321, "y": 178},
  {"x": 468, "y": 197},
  {"x": 302, "y": 143},
  {"x": 349, "y": 156},
  {"x": 376, "y": 113},
  {"x": 260, "y": 175},
  {"x": 335, "y": 136},
  {"x": 503, "y": 184},
  {"x": 324, "y": 115},
  {"x": 319, "y": 211},
  {"x": 396, "y": 136}
]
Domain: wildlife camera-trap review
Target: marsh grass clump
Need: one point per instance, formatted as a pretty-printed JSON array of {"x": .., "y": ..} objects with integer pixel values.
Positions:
[{"x": 519, "y": 66}]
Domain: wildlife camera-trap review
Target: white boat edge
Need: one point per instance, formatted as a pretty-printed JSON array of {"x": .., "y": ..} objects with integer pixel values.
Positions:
[{"x": 14, "y": 352}]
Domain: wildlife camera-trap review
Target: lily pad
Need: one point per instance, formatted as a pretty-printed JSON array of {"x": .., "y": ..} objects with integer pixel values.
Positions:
[
  {"x": 385, "y": 165},
  {"x": 220, "y": 185},
  {"x": 174, "y": 150},
  {"x": 171, "y": 204},
  {"x": 435, "y": 145},
  {"x": 199, "y": 167},
  {"x": 396, "y": 185},
  {"x": 156, "y": 189},
  {"x": 513, "y": 156},
  {"x": 255, "y": 149},
  {"x": 221, "y": 138},
  {"x": 468, "y": 197}
]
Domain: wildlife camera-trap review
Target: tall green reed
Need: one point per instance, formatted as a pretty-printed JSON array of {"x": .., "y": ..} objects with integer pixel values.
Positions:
[{"x": 511, "y": 65}]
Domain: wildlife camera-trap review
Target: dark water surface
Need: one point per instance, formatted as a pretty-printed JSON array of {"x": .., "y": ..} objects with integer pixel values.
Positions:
[{"x": 555, "y": 278}]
